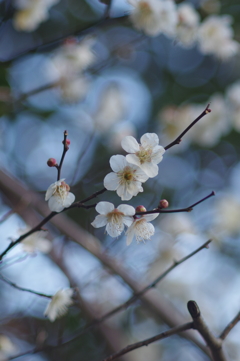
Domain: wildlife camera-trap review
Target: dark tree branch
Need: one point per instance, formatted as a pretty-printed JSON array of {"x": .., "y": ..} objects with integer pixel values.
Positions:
[
  {"x": 230, "y": 326},
  {"x": 134, "y": 346},
  {"x": 179, "y": 138},
  {"x": 65, "y": 149},
  {"x": 214, "y": 343},
  {"x": 22, "y": 288}
]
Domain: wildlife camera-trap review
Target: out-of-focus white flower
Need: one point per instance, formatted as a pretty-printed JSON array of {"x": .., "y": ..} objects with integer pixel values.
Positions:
[
  {"x": 118, "y": 132},
  {"x": 35, "y": 242},
  {"x": 74, "y": 90},
  {"x": 7, "y": 348},
  {"x": 126, "y": 178},
  {"x": 154, "y": 16},
  {"x": 70, "y": 61},
  {"x": 113, "y": 218},
  {"x": 58, "y": 196},
  {"x": 173, "y": 120},
  {"x": 59, "y": 304},
  {"x": 187, "y": 27},
  {"x": 177, "y": 224},
  {"x": 145, "y": 155},
  {"x": 111, "y": 108},
  {"x": 141, "y": 228},
  {"x": 233, "y": 102},
  {"x": 31, "y": 13},
  {"x": 227, "y": 215},
  {"x": 214, "y": 125},
  {"x": 215, "y": 37}
]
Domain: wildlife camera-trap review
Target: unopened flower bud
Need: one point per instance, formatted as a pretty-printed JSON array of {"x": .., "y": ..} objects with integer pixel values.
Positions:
[
  {"x": 163, "y": 204},
  {"x": 52, "y": 162},
  {"x": 141, "y": 209},
  {"x": 68, "y": 142}
]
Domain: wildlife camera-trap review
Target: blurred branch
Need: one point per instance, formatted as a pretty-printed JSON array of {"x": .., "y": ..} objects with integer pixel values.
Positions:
[
  {"x": 146, "y": 342},
  {"x": 230, "y": 326},
  {"x": 22, "y": 288},
  {"x": 179, "y": 138},
  {"x": 214, "y": 343}
]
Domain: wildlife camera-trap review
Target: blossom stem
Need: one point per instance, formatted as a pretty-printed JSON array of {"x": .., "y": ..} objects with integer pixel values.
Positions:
[
  {"x": 187, "y": 209},
  {"x": 65, "y": 149},
  {"x": 179, "y": 138}
]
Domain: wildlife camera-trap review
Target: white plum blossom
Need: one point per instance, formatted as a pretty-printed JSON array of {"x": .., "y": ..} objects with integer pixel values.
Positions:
[
  {"x": 154, "y": 16},
  {"x": 145, "y": 155},
  {"x": 215, "y": 37},
  {"x": 126, "y": 178},
  {"x": 141, "y": 228},
  {"x": 188, "y": 22},
  {"x": 58, "y": 196},
  {"x": 113, "y": 218},
  {"x": 59, "y": 304},
  {"x": 30, "y": 13},
  {"x": 37, "y": 241}
]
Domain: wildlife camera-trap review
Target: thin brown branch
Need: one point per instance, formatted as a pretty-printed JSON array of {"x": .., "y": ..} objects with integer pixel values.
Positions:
[
  {"x": 187, "y": 209},
  {"x": 10, "y": 283},
  {"x": 214, "y": 343},
  {"x": 230, "y": 326},
  {"x": 179, "y": 138},
  {"x": 160, "y": 336}
]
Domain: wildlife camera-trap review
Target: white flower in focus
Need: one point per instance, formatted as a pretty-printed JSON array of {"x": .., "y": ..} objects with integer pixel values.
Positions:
[
  {"x": 35, "y": 241},
  {"x": 188, "y": 22},
  {"x": 215, "y": 37},
  {"x": 59, "y": 304},
  {"x": 113, "y": 218},
  {"x": 154, "y": 16},
  {"x": 214, "y": 125},
  {"x": 58, "y": 196},
  {"x": 145, "y": 155},
  {"x": 126, "y": 178},
  {"x": 141, "y": 228},
  {"x": 30, "y": 13}
]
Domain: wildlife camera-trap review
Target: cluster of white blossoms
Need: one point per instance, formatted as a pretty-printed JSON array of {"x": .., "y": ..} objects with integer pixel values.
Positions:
[
  {"x": 30, "y": 13},
  {"x": 126, "y": 179},
  {"x": 59, "y": 304},
  {"x": 214, "y": 35},
  {"x": 70, "y": 62},
  {"x": 58, "y": 196},
  {"x": 124, "y": 215}
]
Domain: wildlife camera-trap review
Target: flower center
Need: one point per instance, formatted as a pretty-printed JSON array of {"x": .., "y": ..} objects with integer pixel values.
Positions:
[
  {"x": 144, "y": 8},
  {"x": 142, "y": 230},
  {"x": 126, "y": 176},
  {"x": 62, "y": 190},
  {"x": 144, "y": 155}
]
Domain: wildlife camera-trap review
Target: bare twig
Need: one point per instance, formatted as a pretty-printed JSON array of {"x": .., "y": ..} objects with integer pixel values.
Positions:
[
  {"x": 187, "y": 209},
  {"x": 230, "y": 326},
  {"x": 179, "y": 138},
  {"x": 160, "y": 336},
  {"x": 214, "y": 343},
  {"x": 22, "y": 288}
]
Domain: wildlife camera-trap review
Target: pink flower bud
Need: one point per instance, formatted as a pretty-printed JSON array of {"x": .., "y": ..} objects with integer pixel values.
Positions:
[
  {"x": 52, "y": 162},
  {"x": 68, "y": 142},
  {"x": 141, "y": 209},
  {"x": 163, "y": 204}
]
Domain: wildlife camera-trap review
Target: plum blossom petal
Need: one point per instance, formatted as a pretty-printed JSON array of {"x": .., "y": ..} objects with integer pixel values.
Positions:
[
  {"x": 59, "y": 303},
  {"x": 58, "y": 196},
  {"x": 150, "y": 153},
  {"x": 113, "y": 218},
  {"x": 129, "y": 144},
  {"x": 127, "y": 179},
  {"x": 141, "y": 228}
]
